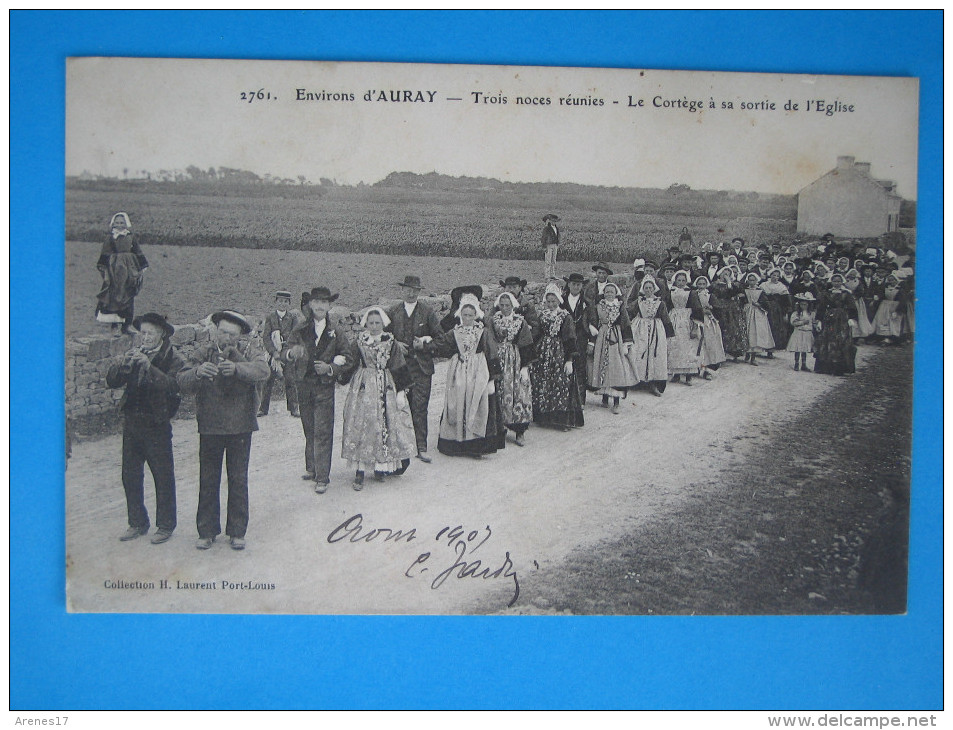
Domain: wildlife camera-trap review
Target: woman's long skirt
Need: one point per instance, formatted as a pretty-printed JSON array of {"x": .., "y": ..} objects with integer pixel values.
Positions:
[
  {"x": 760, "y": 338},
  {"x": 611, "y": 371},
  {"x": 556, "y": 399},
  {"x": 378, "y": 434},
  {"x": 712, "y": 350},
  {"x": 834, "y": 349},
  {"x": 683, "y": 357}
]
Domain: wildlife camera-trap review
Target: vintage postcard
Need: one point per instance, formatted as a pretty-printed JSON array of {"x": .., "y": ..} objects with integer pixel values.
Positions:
[{"x": 350, "y": 338}]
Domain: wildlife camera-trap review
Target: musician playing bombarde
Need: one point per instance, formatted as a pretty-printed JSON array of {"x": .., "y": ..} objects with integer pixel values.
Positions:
[{"x": 148, "y": 373}]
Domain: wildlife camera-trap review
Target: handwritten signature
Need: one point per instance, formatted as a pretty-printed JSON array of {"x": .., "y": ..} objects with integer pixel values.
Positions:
[{"x": 461, "y": 542}]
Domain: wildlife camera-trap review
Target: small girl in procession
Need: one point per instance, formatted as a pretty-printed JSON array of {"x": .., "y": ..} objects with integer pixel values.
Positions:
[
  {"x": 378, "y": 429},
  {"x": 802, "y": 318},
  {"x": 611, "y": 372}
]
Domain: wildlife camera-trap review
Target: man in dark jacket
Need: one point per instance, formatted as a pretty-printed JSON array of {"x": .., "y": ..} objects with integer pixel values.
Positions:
[
  {"x": 148, "y": 373},
  {"x": 578, "y": 306},
  {"x": 592, "y": 291},
  {"x": 224, "y": 378},
  {"x": 414, "y": 324},
  {"x": 320, "y": 356},
  {"x": 275, "y": 332}
]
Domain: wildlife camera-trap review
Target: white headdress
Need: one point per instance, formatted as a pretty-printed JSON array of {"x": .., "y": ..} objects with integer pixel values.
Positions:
[
  {"x": 553, "y": 288},
  {"x": 380, "y": 311},
  {"x": 506, "y": 294},
  {"x": 469, "y": 300}
]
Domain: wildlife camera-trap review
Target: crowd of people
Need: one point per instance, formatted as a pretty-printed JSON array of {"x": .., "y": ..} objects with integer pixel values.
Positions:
[{"x": 510, "y": 365}]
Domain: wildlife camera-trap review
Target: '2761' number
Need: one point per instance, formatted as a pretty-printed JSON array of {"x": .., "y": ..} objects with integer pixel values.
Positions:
[{"x": 260, "y": 95}]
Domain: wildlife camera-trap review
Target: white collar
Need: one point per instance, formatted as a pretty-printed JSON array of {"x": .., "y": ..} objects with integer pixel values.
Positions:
[{"x": 410, "y": 307}]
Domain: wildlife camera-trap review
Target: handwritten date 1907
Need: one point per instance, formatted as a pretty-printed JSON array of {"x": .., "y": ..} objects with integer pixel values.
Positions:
[{"x": 463, "y": 543}]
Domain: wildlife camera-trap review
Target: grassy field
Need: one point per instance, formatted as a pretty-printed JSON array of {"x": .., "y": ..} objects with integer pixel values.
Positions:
[{"x": 597, "y": 224}]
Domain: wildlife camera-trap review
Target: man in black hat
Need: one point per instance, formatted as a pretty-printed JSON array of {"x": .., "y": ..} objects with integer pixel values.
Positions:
[
  {"x": 276, "y": 330},
  {"x": 319, "y": 355},
  {"x": 414, "y": 324},
  {"x": 673, "y": 254},
  {"x": 148, "y": 373},
  {"x": 224, "y": 375},
  {"x": 592, "y": 291},
  {"x": 579, "y": 308},
  {"x": 550, "y": 242}
]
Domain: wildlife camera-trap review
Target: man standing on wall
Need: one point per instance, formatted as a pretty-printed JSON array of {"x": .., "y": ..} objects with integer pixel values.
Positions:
[
  {"x": 225, "y": 379},
  {"x": 275, "y": 332},
  {"x": 320, "y": 355},
  {"x": 414, "y": 324},
  {"x": 550, "y": 241}
]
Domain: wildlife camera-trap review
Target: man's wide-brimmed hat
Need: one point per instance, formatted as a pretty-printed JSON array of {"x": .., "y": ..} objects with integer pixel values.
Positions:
[
  {"x": 602, "y": 265},
  {"x": 513, "y": 281},
  {"x": 230, "y": 315},
  {"x": 323, "y": 293},
  {"x": 550, "y": 217},
  {"x": 411, "y": 281},
  {"x": 157, "y": 319},
  {"x": 577, "y": 277}
]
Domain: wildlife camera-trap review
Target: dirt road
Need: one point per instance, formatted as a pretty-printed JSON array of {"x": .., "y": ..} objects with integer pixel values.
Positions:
[{"x": 522, "y": 513}]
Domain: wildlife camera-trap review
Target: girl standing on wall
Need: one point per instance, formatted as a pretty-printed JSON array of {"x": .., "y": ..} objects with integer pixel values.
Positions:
[{"x": 121, "y": 263}]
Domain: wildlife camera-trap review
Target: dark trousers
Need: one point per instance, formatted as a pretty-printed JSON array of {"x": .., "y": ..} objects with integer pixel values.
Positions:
[
  {"x": 236, "y": 448},
  {"x": 291, "y": 391},
  {"x": 419, "y": 402},
  {"x": 152, "y": 445},
  {"x": 580, "y": 368},
  {"x": 316, "y": 402}
]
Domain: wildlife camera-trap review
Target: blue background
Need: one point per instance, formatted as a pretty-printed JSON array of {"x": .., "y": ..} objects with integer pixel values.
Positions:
[{"x": 60, "y": 661}]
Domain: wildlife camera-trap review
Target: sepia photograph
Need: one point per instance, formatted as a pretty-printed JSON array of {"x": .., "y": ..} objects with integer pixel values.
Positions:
[{"x": 392, "y": 338}]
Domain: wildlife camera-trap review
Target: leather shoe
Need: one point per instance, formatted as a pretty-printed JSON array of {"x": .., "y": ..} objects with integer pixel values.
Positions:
[
  {"x": 204, "y": 543},
  {"x": 422, "y": 455},
  {"x": 161, "y": 536},
  {"x": 320, "y": 487},
  {"x": 295, "y": 413},
  {"x": 238, "y": 543},
  {"x": 132, "y": 533},
  {"x": 308, "y": 476}
]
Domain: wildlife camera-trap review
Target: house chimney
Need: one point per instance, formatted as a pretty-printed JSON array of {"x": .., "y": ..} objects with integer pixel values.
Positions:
[
  {"x": 845, "y": 162},
  {"x": 863, "y": 167}
]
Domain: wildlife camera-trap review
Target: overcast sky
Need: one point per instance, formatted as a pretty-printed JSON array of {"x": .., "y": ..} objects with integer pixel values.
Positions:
[{"x": 165, "y": 114}]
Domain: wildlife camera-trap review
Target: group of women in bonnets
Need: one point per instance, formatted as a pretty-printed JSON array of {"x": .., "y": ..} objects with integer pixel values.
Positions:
[{"x": 516, "y": 365}]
